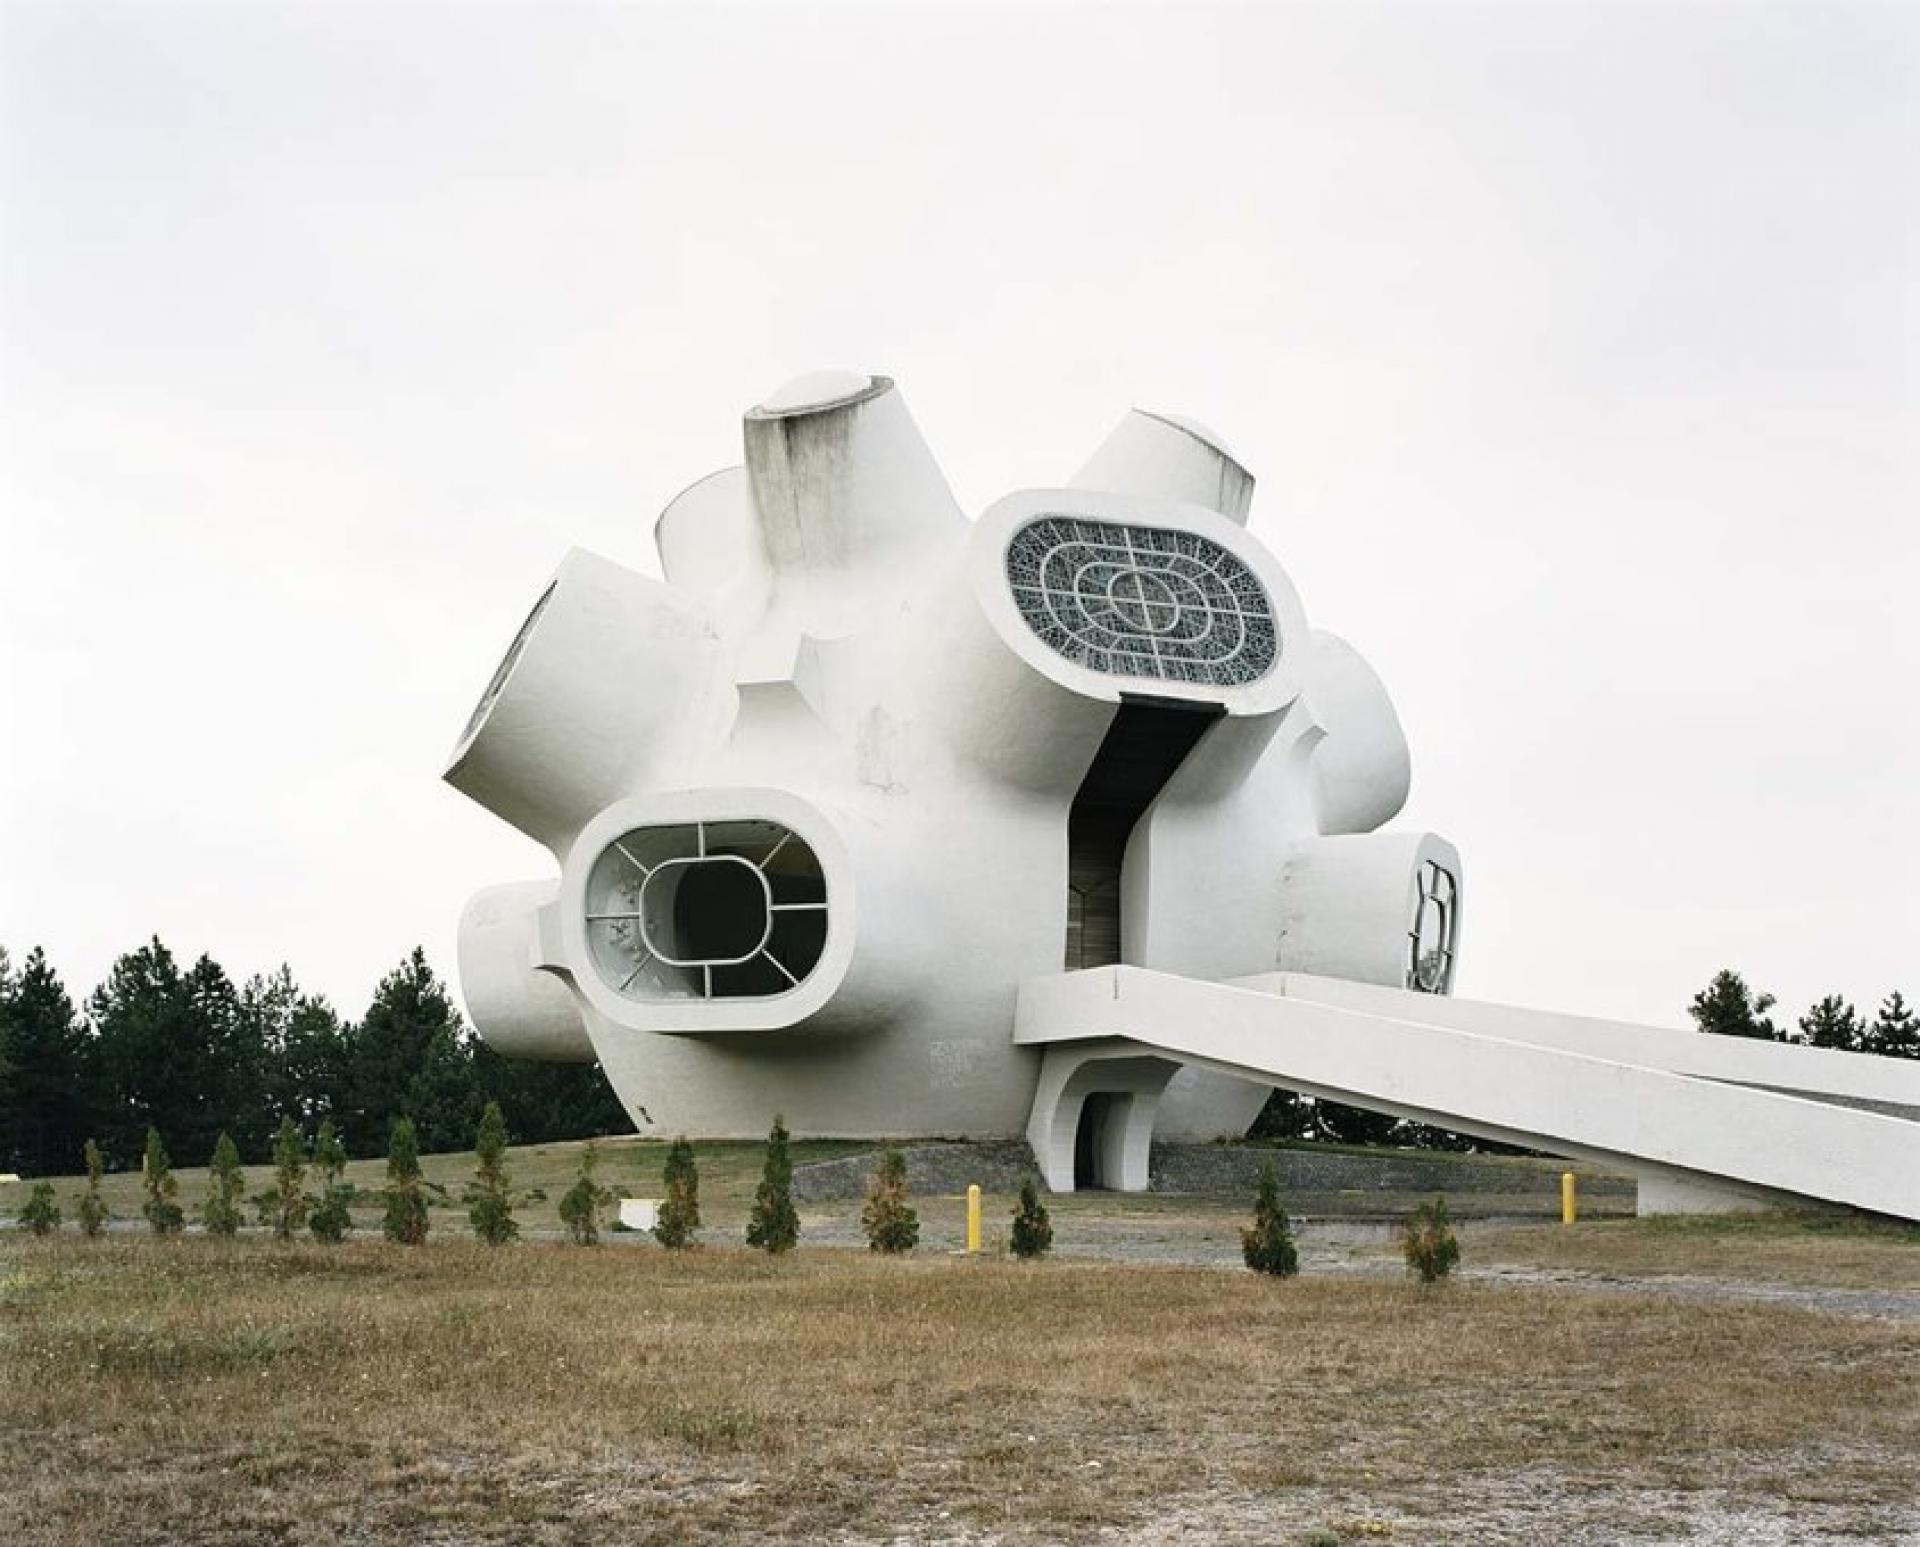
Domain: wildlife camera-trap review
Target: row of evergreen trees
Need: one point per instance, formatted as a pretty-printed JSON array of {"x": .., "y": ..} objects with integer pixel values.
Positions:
[
  {"x": 1728, "y": 1007},
  {"x": 891, "y": 1223},
  {"x": 188, "y": 1052},
  {"x": 288, "y": 1204}
]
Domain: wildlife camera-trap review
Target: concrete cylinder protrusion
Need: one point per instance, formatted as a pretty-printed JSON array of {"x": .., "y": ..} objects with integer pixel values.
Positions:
[
  {"x": 1361, "y": 768},
  {"x": 849, "y": 497},
  {"x": 710, "y": 545},
  {"x": 519, "y": 1010},
  {"x": 1166, "y": 456},
  {"x": 1373, "y": 908},
  {"x": 560, "y": 732}
]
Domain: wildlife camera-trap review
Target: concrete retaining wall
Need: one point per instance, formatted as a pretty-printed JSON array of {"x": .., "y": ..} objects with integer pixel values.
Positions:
[{"x": 1319, "y": 1179}]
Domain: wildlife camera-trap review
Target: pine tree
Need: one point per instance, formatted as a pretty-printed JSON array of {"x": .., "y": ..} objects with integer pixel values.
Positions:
[
  {"x": 680, "y": 1210},
  {"x": 47, "y": 1071},
  {"x": 91, "y": 1209},
  {"x": 1895, "y": 1032},
  {"x": 410, "y": 1054},
  {"x": 1728, "y": 1008},
  {"x": 892, "y": 1227},
  {"x": 1834, "y": 1023},
  {"x": 175, "y": 1054},
  {"x": 581, "y": 1204},
  {"x": 41, "y": 1214},
  {"x": 406, "y": 1220},
  {"x": 1431, "y": 1248},
  {"x": 303, "y": 1048},
  {"x": 226, "y": 1187},
  {"x": 1268, "y": 1245},
  {"x": 285, "y": 1207},
  {"x": 164, "y": 1215},
  {"x": 490, "y": 1207},
  {"x": 332, "y": 1215},
  {"x": 1032, "y": 1228},
  {"x": 773, "y": 1226}
]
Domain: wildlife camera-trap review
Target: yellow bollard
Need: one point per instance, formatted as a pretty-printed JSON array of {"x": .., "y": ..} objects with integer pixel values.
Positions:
[
  {"x": 1569, "y": 1204},
  {"x": 973, "y": 1219}
]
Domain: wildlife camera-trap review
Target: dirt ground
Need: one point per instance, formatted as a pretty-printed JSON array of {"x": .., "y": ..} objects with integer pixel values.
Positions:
[{"x": 1619, "y": 1382}]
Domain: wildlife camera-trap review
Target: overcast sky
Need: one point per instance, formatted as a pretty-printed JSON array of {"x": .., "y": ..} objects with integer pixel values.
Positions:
[{"x": 1574, "y": 350}]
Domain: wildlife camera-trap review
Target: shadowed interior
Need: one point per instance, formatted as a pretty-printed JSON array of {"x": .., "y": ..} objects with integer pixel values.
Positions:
[{"x": 1143, "y": 748}]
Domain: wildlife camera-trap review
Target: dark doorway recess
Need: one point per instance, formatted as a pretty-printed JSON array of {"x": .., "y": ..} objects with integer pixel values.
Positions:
[
  {"x": 1087, "y": 1139},
  {"x": 1146, "y": 743}
]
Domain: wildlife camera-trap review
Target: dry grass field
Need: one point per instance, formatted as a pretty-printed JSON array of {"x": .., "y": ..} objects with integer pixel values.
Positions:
[{"x": 242, "y": 1392}]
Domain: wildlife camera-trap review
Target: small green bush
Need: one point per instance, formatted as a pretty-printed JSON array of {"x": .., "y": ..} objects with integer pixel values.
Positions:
[
  {"x": 489, "y": 1205},
  {"x": 91, "y": 1209},
  {"x": 773, "y": 1225},
  {"x": 1032, "y": 1227},
  {"x": 581, "y": 1204},
  {"x": 679, "y": 1215},
  {"x": 226, "y": 1189},
  {"x": 1268, "y": 1245},
  {"x": 41, "y": 1214},
  {"x": 332, "y": 1216},
  {"x": 285, "y": 1207},
  {"x": 1431, "y": 1248},
  {"x": 892, "y": 1226},
  {"x": 164, "y": 1215},
  {"x": 406, "y": 1203}
]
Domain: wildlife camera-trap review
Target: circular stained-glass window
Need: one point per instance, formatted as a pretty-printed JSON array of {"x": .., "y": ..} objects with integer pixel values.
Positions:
[{"x": 1142, "y": 601}]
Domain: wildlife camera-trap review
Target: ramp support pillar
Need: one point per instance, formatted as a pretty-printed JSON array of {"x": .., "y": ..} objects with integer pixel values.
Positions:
[
  {"x": 1664, "y": 1191},
  {"x": 1115, "y": 1154}
]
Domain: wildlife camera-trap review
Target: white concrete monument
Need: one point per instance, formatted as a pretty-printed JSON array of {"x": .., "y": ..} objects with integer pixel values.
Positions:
[{"x": 1062, "y": 821}]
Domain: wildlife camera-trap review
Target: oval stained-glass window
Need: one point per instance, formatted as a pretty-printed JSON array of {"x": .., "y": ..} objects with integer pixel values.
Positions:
[{"x": 1142, "y": 601}]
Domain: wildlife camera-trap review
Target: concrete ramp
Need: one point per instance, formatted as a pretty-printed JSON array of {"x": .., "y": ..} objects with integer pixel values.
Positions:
[{"x": 1707, "y": 1123}]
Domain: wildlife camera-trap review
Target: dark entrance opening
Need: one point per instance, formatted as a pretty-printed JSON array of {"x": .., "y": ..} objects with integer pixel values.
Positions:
[
  {"x": 719, "y": 910},
  {"x": 1094, "y": 1112},
  {"x": 1144, "y": 746}
]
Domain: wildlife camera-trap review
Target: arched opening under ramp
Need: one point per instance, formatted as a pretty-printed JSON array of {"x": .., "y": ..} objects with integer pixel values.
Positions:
[{"x": 1093, "y": 1114}]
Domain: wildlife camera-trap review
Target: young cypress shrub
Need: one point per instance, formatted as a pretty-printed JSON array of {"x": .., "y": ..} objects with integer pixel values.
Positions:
[
  {"x": 286, "y": 1206},
  {"x": 91, "y": 1209},
  {"x": 489, "y": 1207},
  {"x": 773, "y": 1226},
  {"x": 164, "y": 1216},
  {"x": 41, "y": 1214},
  {"x": 581, "y": 1204},
  {"x": 1431, "y": 1248},
  {"x": 1032, "y": 1227},
  {"x": 892, "y": 1226},
  {"x": 680, "y": 1209},
  {"x": 331, "y": 1218},
  {"x": 1268, "y": 1245},
  {"x": 406, "y": 1214},
  {"x": 226, "y": 1187}
]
